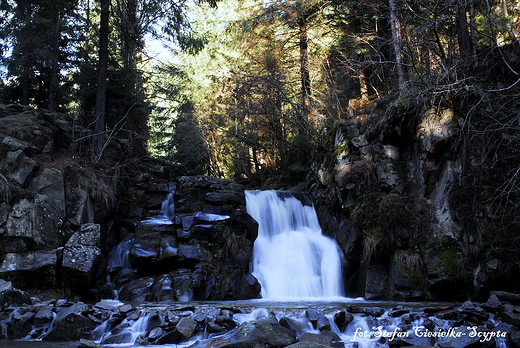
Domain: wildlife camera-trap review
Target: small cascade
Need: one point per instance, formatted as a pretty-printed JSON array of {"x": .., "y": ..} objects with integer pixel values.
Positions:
[
  {"x": 119, "y": 266},
  {"x": 168, "y": 206},
  {"x": 292, "y": 259},
  {"x": 125, "y": 333},
  {"x": 167, "y": 212}
]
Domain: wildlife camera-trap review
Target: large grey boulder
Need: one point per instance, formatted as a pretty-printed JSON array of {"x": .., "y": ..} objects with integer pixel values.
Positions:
[
  {"x": 71, "y": 324},
  {"x": 12, "y": 296},
  {"x": 50, "y": 183},
  {"x": 19, "y": 167},
  {"x": 258, "y": 333},
  {"x": 40, "y": 221},
  {"x": 32, "y": 269},
  {"x": 80, "y": 258}
]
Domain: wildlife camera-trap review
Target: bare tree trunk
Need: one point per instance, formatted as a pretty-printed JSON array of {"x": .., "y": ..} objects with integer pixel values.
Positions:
[
  {"x": 363, "y": 86},
  {"x": 464, "y": 37},
  {"x": 398, "y": 45},
  {"x": 304, "y": 71},
  {"x": 54, "y": 78},
  {"x": 512, "y": 36},
  {"x": 101, "y": 93}
]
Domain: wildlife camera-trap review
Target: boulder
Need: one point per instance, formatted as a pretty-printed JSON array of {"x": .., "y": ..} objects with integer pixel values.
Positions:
[
  {"x": 50, "y": 183},
  {"x": 12, "y": 296},
  {"x": 182, "y": 284},
  {"x": 472, "y": 313},
  {"x": 162, "y": 289},
  {"x": 137, "y": 290},
  {"x": 40, "y": 221},
  {"x": 169, "y": 248},
  {"x": 71, "y": 324},
  {"x": 32, "y": 269},
  {"x": 44, "y": 315},
  {"x": 376, "y": 282},
  {"x": 342, "y": 318},
  {"x": 194, "y": 253},
  {"x": 80, "y": 258},
  {"x": 505, "y": 296},
  {"x": 257, "y": 333},
  {"x": 186, "y": 327},
  {"x": 19, "y": 167}
]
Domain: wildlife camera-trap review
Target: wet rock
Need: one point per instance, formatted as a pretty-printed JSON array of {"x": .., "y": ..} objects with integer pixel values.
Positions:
[
  {"x": 342, "y": 319},
  {"x": 155, "y": 334},
  {"x": 492, "y": 304},
  {"x": 44, "y": 315},
  {"x": 182, "y": 284},
  {"x": 186, "y": 327},
  {"x": 373, "y": 311},
  {"x": 146, "y": 246},
  {"x": 504, "y": 296},
  {"x": 12, "y": 296},
  {"x": 21, "y": 327},
  {"x": 460, "y": 337},
  {"x": 307, "y": 344},
  {"x": 510, "y": 314},
  {"x": 162, "y": 289},
  {"x": 137, "y": 290},
  {"x": 84, "y": 343},
  {"x": 260, "y": 332},
  {"x": 70, "y": 324},
  {"x": 318, "y": 319},
  {"x": 328, "y": 339},
  {"x": 169, "y": 248},
  {"x": 474, "y": 314}
]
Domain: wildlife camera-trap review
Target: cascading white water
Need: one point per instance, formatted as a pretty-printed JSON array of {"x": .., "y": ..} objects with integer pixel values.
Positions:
[
  {"x": 292, "y": 258},
  {"x": 168, "y": 205}
]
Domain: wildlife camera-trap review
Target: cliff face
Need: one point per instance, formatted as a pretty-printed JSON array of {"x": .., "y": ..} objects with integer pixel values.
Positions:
[
  {"x": 422, "y": 192},
  {"x": 61, "y": 216}
]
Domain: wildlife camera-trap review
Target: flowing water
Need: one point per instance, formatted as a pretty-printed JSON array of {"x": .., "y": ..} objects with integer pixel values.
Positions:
[
  {"x": 292, "y": 259},
  {"x": 298, "y": 268}
]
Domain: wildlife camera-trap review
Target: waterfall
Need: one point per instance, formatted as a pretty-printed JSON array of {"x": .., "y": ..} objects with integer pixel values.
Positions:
[
  {"x": 168, "y": 205},
  {"x": 292, "y": 258}
]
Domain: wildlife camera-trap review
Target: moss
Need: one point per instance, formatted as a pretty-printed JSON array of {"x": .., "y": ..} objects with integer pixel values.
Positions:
[{"x": 448, "y": 265}]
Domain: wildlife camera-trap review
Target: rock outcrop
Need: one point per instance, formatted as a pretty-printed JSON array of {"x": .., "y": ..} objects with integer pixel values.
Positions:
[
  {"x": 201, "y": 253},
  {"x": 62, "y": 217},
  {"x": 406, "y": 199}
]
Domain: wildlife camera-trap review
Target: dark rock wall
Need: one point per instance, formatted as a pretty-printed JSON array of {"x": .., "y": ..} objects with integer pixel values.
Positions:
[
  {"x": 203, "y": 254},
  {"x": 61, "y": 216},
  {"x": 399, "y": 192}
]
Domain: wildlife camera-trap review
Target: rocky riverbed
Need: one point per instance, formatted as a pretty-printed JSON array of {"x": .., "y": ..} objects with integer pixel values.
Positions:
[{"x": 340, "y": 323}]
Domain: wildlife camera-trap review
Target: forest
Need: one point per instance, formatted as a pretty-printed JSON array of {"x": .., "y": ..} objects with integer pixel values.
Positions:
[{"x": 245, "y": 88}]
